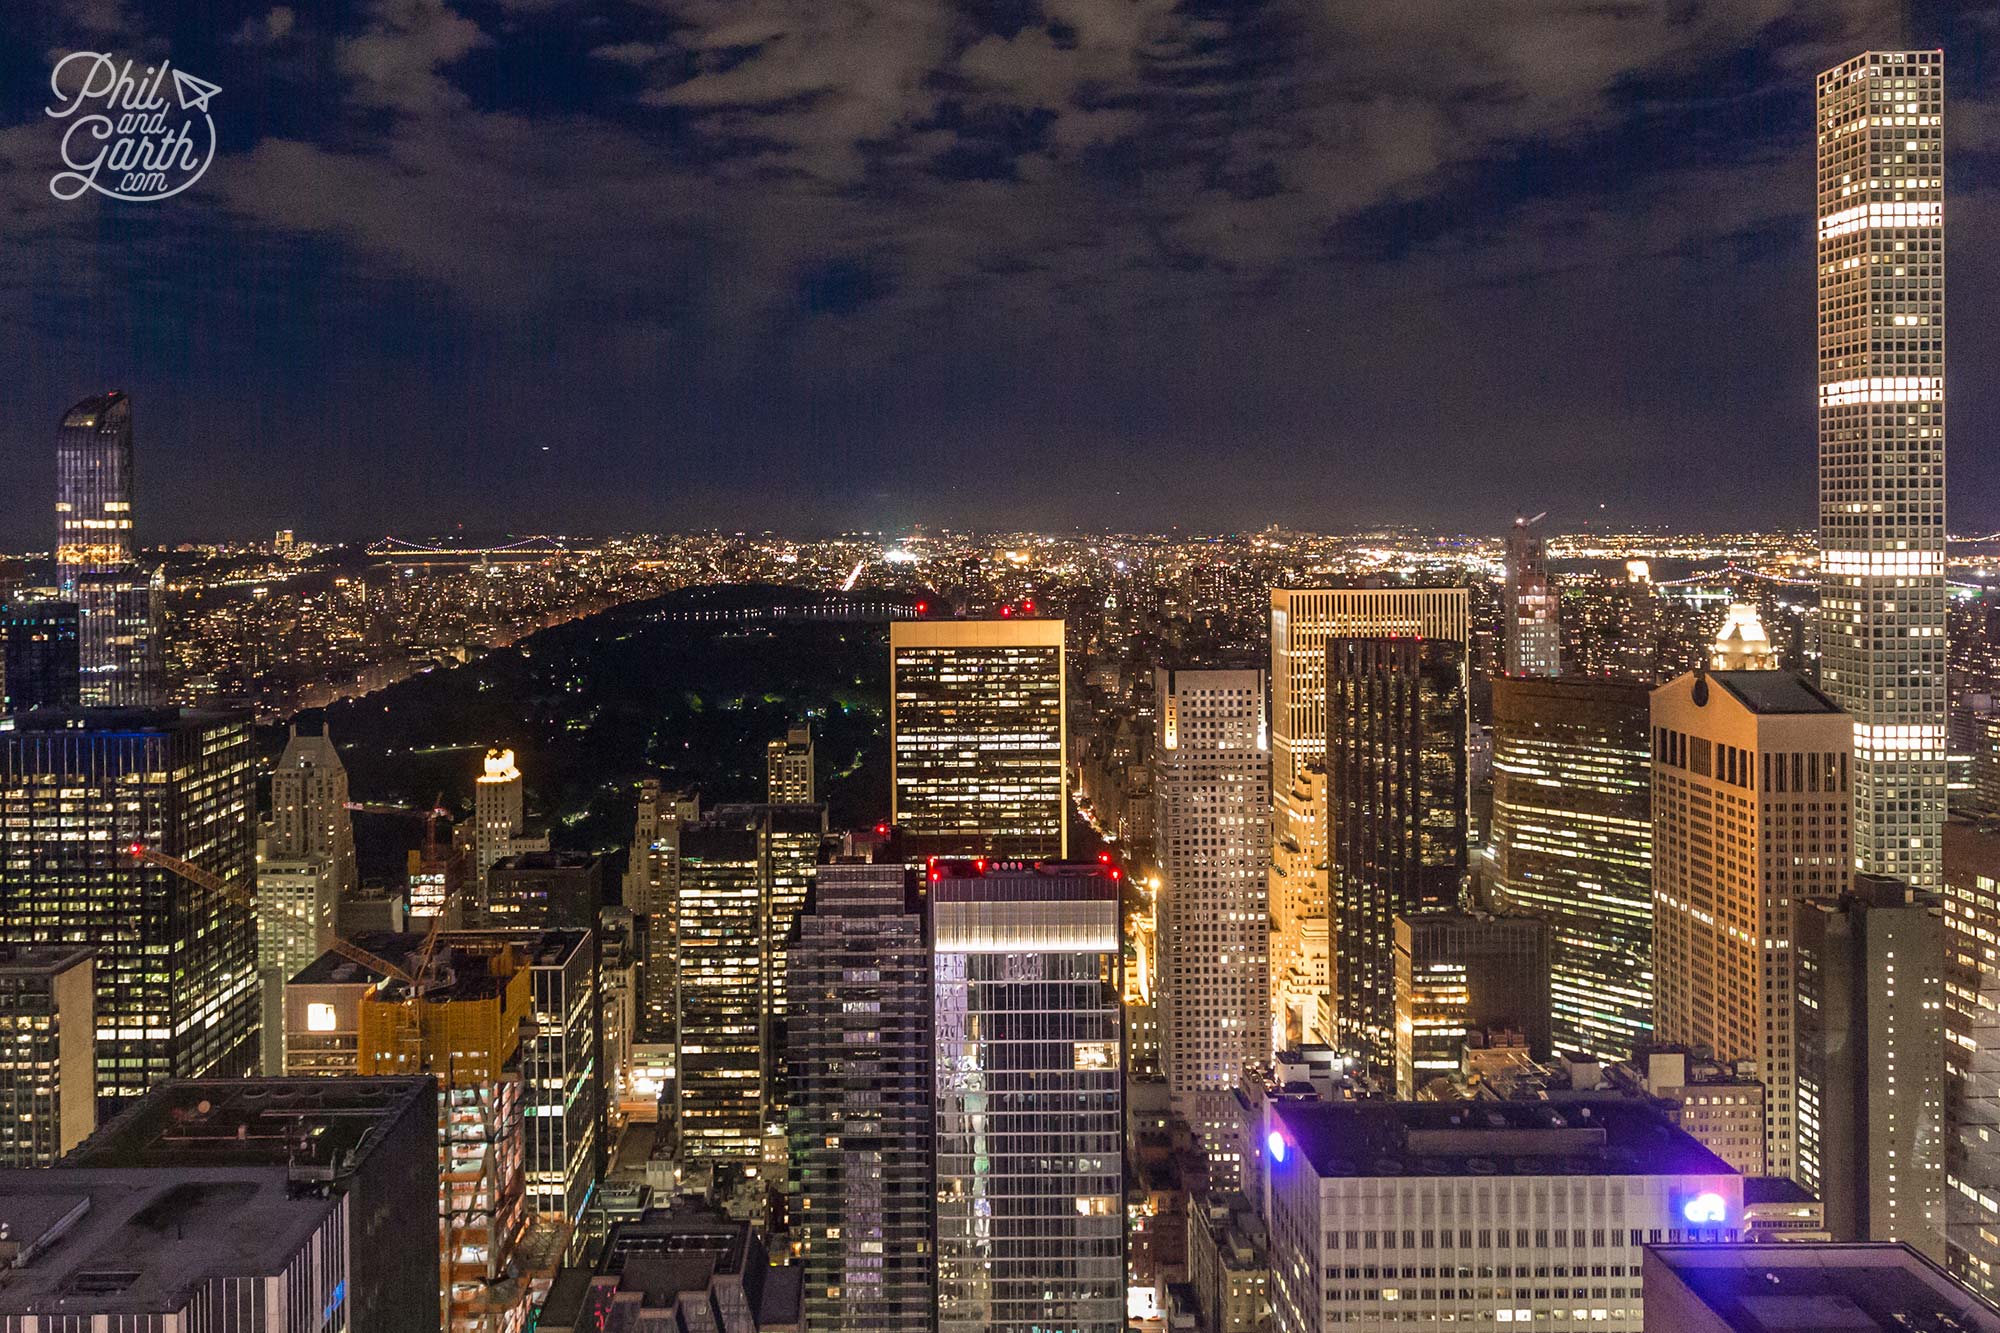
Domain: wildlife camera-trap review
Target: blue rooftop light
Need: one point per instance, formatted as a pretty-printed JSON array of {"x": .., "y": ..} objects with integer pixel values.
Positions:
[
  {"x": 1275, "y": 1142},
  {"x": 1707, "y": 1209}
]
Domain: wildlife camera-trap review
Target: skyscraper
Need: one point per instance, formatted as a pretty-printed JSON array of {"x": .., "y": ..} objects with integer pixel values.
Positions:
[
  {"x": 499, "y": 829},
  {"x": 977, "y": 732},
  {"x": 1533, "y": 632},
  {"x": 649, "y": 892},
  {"x": 1972, "y": 1054},
  {"x": 1871, "y": 1112},
  {"x": 1573, "y": 844},
  {"x": 94, "y": 569},
  {"x": 309, "y": 816},
  {"x": 1302, "y": 620},
  {"x": 1882, "y": 447},
  {"x": 1398, "y": 803},
  {"x": 38, "y": 656},
  {"x": 1460, "y": 974},
  {"x": 1030, "y": 1108},
  {"x": 859, "y": 1122},
  {"x": 788, "y": 765},
  {"x": 1751, "y": 801},
  {"x": 176, "y": 962},
  {"x": 1212, "y": 788}
]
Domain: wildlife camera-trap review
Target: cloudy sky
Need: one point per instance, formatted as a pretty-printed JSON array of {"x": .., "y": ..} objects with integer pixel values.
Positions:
[{"x": 821, "y": 264}]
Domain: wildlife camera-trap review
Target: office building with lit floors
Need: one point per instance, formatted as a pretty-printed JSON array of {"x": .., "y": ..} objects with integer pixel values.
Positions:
[
  {"x": 1302, "y": 622},
  {"x": 977, "y": 729},
  {"x": 860, "y": 1116},
  {"x": 1972, "y": 1053},
  {"x": 1029, "y": 1097},
  {"x": 788, "y": 767},
  {"x": 38, "y": 656},
  {"x": 370, "y": 1143},
  {"x": 1882, "y": 447},
  {"x": 1573, "y": 845},
  {"x": 1398, "y": 801},
  {"x": 1212, "y": 791},
  {"x": 1480, "y": 1213},
  {"x": 117, "y": 648},
  {"x": 1751, "y": 802},
  {"x": 1871, "y": 1085},
  {"x": 1463, "y": 975},
  {"x": 175, "y": 960},
  {"x": 48, "y": 1067}
]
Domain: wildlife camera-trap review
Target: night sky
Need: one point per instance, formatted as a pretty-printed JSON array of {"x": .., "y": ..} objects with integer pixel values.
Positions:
[{"x": 819, "y": 264}]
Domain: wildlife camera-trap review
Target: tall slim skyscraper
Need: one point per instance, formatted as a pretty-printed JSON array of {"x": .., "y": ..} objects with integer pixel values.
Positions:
[
  {"x": 1882, "y": 447},
  {"x": 1026, "y": 980},
  {"x": 1302, "y": 620},
  {"x": 1398, "y": 808},
  {"x": 1573, "y": 844},
  {"x": 977, "y": 734},
  {"x": 499, "y": 829},
  {"x": 788, "y": 766},
  {"x": 176, "y": 978},
  {"x": 94, "y": 569},
  {"x": 1751, "y": 800},
  {"x": 859, "y": 1123},
  {"x": 1972, "y": 1054},
  {"x": 650, "y": 880},
  {"x": 1212, "y": 788},
  {"x": 1871, "y": 1112},
  {"x": 1533, "y": 633}
]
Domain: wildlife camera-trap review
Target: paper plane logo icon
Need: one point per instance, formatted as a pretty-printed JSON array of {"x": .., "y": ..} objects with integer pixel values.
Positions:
[{"x": 194, "y": 93}]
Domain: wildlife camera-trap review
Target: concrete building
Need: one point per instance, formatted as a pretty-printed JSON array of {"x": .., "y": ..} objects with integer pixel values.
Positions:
[
  {"x": 1461, "y": 974},
  {"x": 1229, "y": 1264},
  {"x": 674, "y": 1269},
  {"x": 1302, "y": 621},
  {"x": 978, "y": 736},
  {"x": 230, "y": 1250},
  {"x": 788, "y": 768},
  {"x": 309, "y": 815},
  {"x": 542, "y": 891},
  {"x": 499, "y": 827},
  {"x": 297, "y": 908},
  {"x": 48, "y": 1063},
  {"x": 860, "y": 1115},
  {"x": 1573, "y": 844},
  {"x": 1751, "y": 819},
  {"x": 1029, "y": 1113},
  {"x": 178, "y": 782},
  {"x": 1762, "y": 1288},
  {"x": 1721, "y": 1106},
  {"x": 1212, "y": 789},
  {"x": 371, "y": 1143},
  {"x": 1513, "y": 1212},
  {"x": 1872, "y": 1128},
  {"x": 1882, "y": 447}
]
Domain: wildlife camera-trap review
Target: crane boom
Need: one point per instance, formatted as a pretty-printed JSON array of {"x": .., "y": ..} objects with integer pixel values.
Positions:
[{"x": 242, "y": 897}]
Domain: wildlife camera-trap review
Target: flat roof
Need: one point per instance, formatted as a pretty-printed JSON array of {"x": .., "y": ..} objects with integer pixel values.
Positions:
[
  {"x": 255, "y": 1122},
  {"x": 1813, "y": 1287},
  {"x": 41, "y": 959},
  {"x": 1376, "y": 1139},
  {"x": 125, "y": 1241},
  {"x": 1775, "y": 1189},
  {"x": 1774, "y": 692}
]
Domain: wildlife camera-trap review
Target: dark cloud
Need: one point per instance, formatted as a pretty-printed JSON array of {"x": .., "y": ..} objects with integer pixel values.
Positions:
[{"x": 1206, "y": 261}]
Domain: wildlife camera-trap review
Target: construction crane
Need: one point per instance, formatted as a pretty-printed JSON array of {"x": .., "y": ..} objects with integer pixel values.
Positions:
[{"x": 245, "y": 898}]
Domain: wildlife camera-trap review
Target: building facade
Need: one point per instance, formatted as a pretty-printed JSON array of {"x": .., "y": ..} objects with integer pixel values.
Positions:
[
  {"x": 48, "y": 1036},
  {"x": 1972, "y": 1053},
  {"x": 1398, "y": 800},
  {"x": 1464, "y": 973},
  {"x": 1573, "y": 844},
  {"x": 978, "y": 737},
  {"x": 39, "y": 666},
  {"x": 176, "y": 976},
  {"x": 1029, "y": 1097},
  {"x": 788, "y": 768},
  {"x": 1882, "y": 447},
  {"x": 1212, "y": 788},
  {"x": 860, "y": 1115},
  {"x": 1752, "y": 792},
  {"x": 117, "y": 650},
  {"x": 1871, "y": 1087},
  {"x": 1532, "y": 628}
]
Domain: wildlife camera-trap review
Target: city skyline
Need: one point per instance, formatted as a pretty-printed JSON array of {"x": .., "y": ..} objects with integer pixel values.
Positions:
[{"x": 906, "y": 279}]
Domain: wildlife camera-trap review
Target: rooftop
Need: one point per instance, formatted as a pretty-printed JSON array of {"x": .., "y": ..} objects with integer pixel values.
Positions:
[
  {"x": 117, "y": 1241},
  {"x": 309, "y": 1122},
  {"x": 1775, "y": 1189},
  {"x": 41, "y": 959},
  {"x": 1774, "y": 692},
  {"x": 1821, "y": 1288},
  {"x": 1610, "y": 1137}
]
